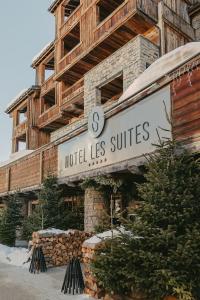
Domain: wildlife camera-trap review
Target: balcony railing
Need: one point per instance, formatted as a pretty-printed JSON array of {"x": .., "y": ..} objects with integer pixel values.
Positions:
[
  {"x": 71, "y": 56},
  {"x": 48, "y": 85},
  {"x": 71, "y": 21},
  {"x": 73, "y": 92},
  {"x": 146, "y": 9},
  {"x": 20, "y": 129},
  {"x": 48, "y": 116}
]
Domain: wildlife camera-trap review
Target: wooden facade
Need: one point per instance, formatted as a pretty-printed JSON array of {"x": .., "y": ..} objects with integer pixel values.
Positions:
[{"x": 88, "y": 32}]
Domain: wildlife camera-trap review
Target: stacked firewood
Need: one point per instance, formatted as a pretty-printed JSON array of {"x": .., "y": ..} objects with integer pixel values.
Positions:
[
  {"x": 91, "y": 286},
  {"x": 61, "y": 246}
]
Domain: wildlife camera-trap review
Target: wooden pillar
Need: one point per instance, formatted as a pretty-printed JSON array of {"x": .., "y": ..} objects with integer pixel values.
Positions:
[
  {"x": 40, "y": 74},
  {"x": 59, "y": 15}
]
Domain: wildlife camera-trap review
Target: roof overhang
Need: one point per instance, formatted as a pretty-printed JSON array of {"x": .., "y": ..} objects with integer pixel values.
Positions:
[
  {"x": 43, "y": 55},
  {"x": 54, "y": 5},
  {"x": 17, "y": 101}
]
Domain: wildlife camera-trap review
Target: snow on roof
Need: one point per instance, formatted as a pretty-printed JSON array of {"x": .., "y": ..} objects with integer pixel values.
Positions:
[
  {"x": 161, "y": 67},
  {"x": 15, "y": 156},
  {"x": 19, "y": 95},
  {"x": 44, "y": 49}
]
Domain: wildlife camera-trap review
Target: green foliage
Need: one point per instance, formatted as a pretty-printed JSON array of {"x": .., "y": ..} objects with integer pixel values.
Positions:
[
  {"x": 10, "y": 220},
  {"x": 109, "y": 185},
  {"x": 73, "y": 219},
  {"x": 32, "y": 223},
  {"x": 51, "y": 202},
  {"x": 160, "y": 255},
  {"x": 104, "y": 223},
  {"x": 52, "y": 211}
]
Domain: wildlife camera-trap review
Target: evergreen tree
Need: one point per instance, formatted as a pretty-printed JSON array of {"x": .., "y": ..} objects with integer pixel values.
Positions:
[
  {"x": 51, "y": 203},
  {"x": 160, "y": 254},
  {"x": 11, "y": 220}
]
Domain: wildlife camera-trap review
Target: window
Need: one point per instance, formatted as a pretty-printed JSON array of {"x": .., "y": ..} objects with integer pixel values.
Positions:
[
  {"x": 48, "y": 100},
  {"x": 70, "y": 7},
  {"x": 106, "y": 8},
  {"x": 21, "y": 143},
  {"x": 112, "y": 90},
  {"x": 49, "y": 66},
  {"x": 48, "y": 73},
  {"x": 22, "y": 115},
  {"x": 71, "y": 40}
]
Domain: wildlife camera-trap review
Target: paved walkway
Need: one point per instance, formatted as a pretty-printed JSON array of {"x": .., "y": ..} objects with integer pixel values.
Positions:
[{"x": 18, "y": 284}]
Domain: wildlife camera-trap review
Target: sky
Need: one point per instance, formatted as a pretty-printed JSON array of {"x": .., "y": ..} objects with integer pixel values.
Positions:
[{"x": 26, "y": 27}]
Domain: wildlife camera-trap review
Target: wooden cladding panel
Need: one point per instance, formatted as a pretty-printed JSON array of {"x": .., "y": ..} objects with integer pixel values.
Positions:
[
  {"x": 173, "y": 39},
  {"x": 20, "y": 129},
  {"x": 48, "y": 85},
  {"x": 50, "y": 162},
  {"x": 25, "y": 173},
  {"x": 3, "y": 180},
  {"x": 186, "y": 106},
  {"x": 29, "y": 171},
  {"x": 179, "y": 7}
]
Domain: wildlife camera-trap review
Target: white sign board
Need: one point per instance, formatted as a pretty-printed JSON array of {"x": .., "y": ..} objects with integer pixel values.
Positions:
[{"x": 129, "y": 134}]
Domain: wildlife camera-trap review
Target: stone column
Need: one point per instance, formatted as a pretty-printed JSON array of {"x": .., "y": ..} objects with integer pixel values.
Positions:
[{"x": 94, "y": 206}]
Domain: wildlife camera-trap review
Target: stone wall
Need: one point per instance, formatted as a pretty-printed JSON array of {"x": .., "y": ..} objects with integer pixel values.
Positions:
[
  {"x": 130, "y": 60},
  {"x": 94, "y": 207},
  {"x": 91, "y": 285}
]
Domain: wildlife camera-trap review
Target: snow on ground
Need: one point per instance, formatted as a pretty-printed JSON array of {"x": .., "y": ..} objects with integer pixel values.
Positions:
[
  {"x": 18, "y": 284},
  {"x": 13, "y": 256}
]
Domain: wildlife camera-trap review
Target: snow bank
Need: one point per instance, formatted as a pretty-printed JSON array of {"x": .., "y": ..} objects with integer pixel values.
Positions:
[
  {"x": 14, "y": 256},
  {"x": 96, "y": 239},
  {"x": 15, "y": 156},
  {"x": 161, "y": 67}
]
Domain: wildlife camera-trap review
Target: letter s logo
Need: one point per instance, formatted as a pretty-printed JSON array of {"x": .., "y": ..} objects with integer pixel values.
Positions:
[{"x": 95, "y": 123}]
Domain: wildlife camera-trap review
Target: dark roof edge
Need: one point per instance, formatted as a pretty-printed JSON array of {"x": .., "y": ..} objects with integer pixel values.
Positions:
[{"x": 54, "y": 5}]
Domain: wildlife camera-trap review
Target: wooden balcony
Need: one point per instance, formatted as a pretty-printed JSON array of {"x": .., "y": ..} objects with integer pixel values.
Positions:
[
  {"x": 21, "y": 129},
  {"x": 52, "y": 119},
  {"x": 73, "y": 100},
  {"x": 131, "y": 18},
  {"x": 73, "y": 92},
  {"x": 48, "y": 85},
  {"x": 71, "y": 21},
  {"x": 127, "y": 10}
]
